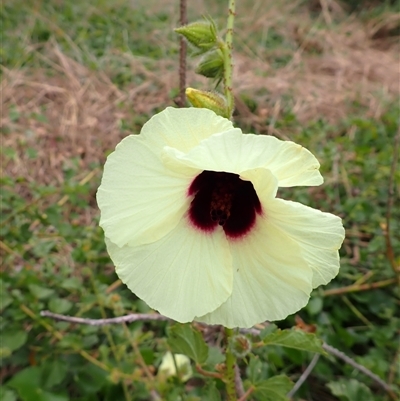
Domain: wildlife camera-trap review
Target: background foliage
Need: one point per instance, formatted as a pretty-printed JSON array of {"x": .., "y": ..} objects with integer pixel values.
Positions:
[{"x": 79, "y": 76}]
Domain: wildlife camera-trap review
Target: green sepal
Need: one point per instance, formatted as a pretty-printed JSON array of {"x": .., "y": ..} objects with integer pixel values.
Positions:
[
  {"x": 208, "y": 100},
  {"x": 297, "y": 339},
  {"x": 273, "y": 389},
  {"x": 201, "y": 34},
  {"x": 185, "y": 339},
  {"x": 211, "y": 65}
]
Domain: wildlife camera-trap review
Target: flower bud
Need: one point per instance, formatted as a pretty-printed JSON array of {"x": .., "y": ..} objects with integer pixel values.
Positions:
[
  {"x": 168, "y": 367},
  {"x": 201, "y": 34},
  {"x": 212, "y": 65},
  {"x": 208, "y": 100},
  {"x": 240, "y": 346}
]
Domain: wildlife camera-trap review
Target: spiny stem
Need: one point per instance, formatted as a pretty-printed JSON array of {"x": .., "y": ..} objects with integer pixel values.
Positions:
[
  {"x": 226, "y": 48},
  {"x": 182, "y": 56},
  {"x": 230, "y": 361}
]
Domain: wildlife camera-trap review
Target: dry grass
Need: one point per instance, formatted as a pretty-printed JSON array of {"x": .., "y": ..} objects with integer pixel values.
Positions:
[
  {"x": 335, "y": 65},
  {"x": 83, "y": 112}
]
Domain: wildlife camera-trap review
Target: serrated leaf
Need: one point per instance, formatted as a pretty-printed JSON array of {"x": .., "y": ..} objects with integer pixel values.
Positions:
[
  {"x": 296, "y": 339},
  {"x": 350, "y": 390},
  {"x": 184, "y": 339},
  {"x": 254, "y": 369},
  {"x": 273, "y": 389},
  {"x": 215, "y": 356}
]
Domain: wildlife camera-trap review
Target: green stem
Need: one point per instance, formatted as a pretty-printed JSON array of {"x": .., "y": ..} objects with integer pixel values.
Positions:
[
  {"x": 230, "y": 360},
  {"x": 226, "y": 48}
]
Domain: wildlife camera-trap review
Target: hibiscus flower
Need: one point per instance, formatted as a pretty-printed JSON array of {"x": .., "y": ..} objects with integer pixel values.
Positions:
[{"x": 194, "y": 227}]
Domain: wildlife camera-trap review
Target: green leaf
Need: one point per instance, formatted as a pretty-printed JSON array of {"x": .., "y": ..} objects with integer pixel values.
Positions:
[
  {"x": 54, "y": 373},
  {"x": 90, "y": 379},
  {"x": 40, "y": 292},
  {"x": 5, "y": 298},
  {"x": 13, "y": 340},
  {"x": 71, "y": 340},
  {"x": 268, "y": 330},
  {"x": 215, "y": 356},
  {"x": 59, "y": 305},
  {"x": 46, "y": 396},
  {"x": 254, "y": 369},
  {"x": 27, "y": 382},
  {"x": 273, "y": 389},
  {"x": 72, "y": 283},
  {"x": 211, "y": 393},
  {"x": 184, "y": 339},
  {"x": 350, "y": 390},
  {"x": 7, "y": 394},
  {"x": 296, "y": 339}
]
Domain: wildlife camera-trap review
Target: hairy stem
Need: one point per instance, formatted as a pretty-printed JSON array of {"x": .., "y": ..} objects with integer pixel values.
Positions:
[
  {"x": 182, "y": 56},
  {"x": 226, "y": 48},
  {"x": 230, "y": 360}
]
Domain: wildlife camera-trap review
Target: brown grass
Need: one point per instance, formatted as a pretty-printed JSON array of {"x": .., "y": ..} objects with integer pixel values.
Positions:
[
  {"x": 83, "y": 110},
  {"x": 333, "y": 67},
  {"x": 339, "y": 60}
]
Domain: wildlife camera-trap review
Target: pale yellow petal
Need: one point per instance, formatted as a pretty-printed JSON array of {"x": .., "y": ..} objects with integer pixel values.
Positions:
[
  {"x": 140, "y": 200},
  {"x": 264, "y": 182},
  {"x": 271, "y": 280},
  {"x": 234, "y": 152},
  {"x": 182, "y": 128},
  {"x": 170, "y": 362},
  {"x": 319, "y": 235},
  {"x": 184, "y": 274}
]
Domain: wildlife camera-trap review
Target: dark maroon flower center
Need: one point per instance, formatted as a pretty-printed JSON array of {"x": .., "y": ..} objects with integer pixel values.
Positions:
[{"x": 223, "y": 199}]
